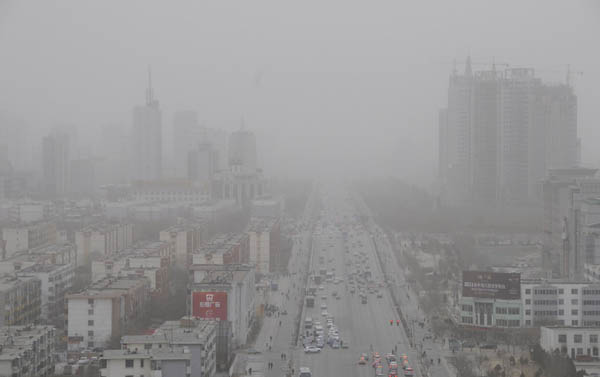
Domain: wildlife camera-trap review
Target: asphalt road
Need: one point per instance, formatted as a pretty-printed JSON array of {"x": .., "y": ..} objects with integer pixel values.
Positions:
[{"x": 362, "y": 326}]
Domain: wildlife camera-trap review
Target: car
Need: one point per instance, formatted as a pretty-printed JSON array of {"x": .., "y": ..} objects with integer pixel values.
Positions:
[
  {"x": 362, "y": 360},
  {"x": 324, "y": 313},
  {"x": 323, "y": 297},
  {"x": 312, "y": 349},
  {"x": 321, "y": 288},
  {"x": 469, "y": 344},
  {"x": 379, "y": 295},
  {"x": 344, "y": 344},
  {"x": 323, "y": 306},
  {"x": 489, "y": 346}
]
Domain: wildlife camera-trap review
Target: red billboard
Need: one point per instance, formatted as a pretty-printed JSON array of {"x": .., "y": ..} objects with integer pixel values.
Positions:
[
  {"x": 210, "y": 305},
  {"x": 487, "y": 284}
]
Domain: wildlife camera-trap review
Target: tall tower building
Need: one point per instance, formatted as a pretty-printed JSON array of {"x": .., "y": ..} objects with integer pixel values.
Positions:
[
  {"x": 501, "y": 134},
  {"x": 147, "y": 139},
  {"x": 55, "y": 164},
  {"x": 242, "y": 151},
  {"x": 456, "y": 123},
  {"x": 484, "y": 133},
  {"x": 187, "y": 134}
]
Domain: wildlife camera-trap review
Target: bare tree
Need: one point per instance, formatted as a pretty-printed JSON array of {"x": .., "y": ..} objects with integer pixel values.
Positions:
[{"x": 463, "y": 365}]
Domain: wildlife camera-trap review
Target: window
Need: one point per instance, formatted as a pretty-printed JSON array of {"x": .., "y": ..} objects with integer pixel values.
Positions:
[
  {"x": 467, "y": 308},
  {"x": 467, "y": 319},
  {"x": 102, "y": 363},
  {"x": 528, "y": 301},
  {"x": 141, "y": 363},
  {"x": 574, "y": 311},
  {"x": 574, "y": 291},
  {"x": 561, "y": 301},
  {"x": 561, "y": 312},
  {"x": 513, "y": 311},
  {"x": 577, "y": 338},
  {"x": 595, "y": 351},
  {"x": 562, "y": 338},
  {"x": 574, "y": 322},
  {"x": 129, "y": 363},
  {"x": 561, "y": 291},
  {"x": 90, "y": 345},
  {"x": 593, "y": 338},
  {"x": 528, "y": 322},
  {"x": 528, "y": 312},
  {"x": 580, "y": 351},
  {"x": 528, "y": 291},
  {"x": 574, "y": 301},
  {"x": 91, "y": 322},
  {"x": 90, "y": 311},
  {"x": 90, "y": 333},
  {"x": 147, "y": 346}
]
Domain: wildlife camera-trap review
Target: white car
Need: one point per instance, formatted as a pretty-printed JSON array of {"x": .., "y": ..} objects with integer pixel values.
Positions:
[
  {"x": 323, "y": 306},
  {"x": 324, "y": 313},
  {"x": 312, "y": 349}
]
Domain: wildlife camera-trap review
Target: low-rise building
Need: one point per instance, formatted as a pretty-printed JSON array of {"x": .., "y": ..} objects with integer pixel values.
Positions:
[
  {"x": 573, "y": 341},
  {"x": 21, "y": 237},
  {"x": 149, "y": 259},
  {"x": 541, "y": 302},
  {"x": 186, "y": 238},
  {"x": 193, "y": 334},
  {"x": 225, "y": 293},
  {"x": 56, "y": 280},
  {"x": 21, "y": 298},
  {"x": 104, "y": 310},
  {"x": 181, "y": 191},
  {"x": 265, "y": 244},
  {"x": 62, "y": 253},
  {"x": 102, "y": 239},
  {"x": 176, "y": 361},
  {"x": 231, "y": 248},
  {"x": 27, "y": 351}
]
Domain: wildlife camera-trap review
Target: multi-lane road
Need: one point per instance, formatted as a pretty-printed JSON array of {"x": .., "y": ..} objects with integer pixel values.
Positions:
[{"x": 343, "y": 246}]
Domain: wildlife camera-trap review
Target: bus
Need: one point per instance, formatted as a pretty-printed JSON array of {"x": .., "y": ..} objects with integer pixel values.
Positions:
[{"x": 305, "y": 372}]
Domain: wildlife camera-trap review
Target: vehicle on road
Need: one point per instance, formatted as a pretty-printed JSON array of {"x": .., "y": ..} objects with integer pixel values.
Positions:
[
  {"x": 305, "y": 372},
  {"x": 409, "y": 372},
  {"x": 312, "y": 349},
  {"x": 362, "y": 360}
]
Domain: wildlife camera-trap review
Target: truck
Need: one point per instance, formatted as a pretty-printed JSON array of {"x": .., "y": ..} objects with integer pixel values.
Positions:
[{"x": 310, "y": 301}]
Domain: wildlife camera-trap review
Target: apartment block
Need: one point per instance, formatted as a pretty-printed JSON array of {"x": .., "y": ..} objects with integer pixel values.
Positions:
[
  {"x": 27, "y": 351},
  {"x": 104, "y": 310},
  {"x": 186, "y": 238},
  {"x": 102, "y": 239},
  {"x": 23, "y": 237},
  {"x": 21, "y": 298}
]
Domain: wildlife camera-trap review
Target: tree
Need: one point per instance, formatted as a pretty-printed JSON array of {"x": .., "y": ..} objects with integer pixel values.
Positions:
[{"x": 463, "y": 366}]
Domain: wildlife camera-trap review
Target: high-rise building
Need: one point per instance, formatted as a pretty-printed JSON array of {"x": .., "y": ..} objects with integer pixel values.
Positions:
[
  {"x": 147, "y": 139},
  {"x": 500, "y": 135},
  {"x": 242, "y": 151},
  {"x": 55, "y": 164},
  {"x": 202, "y": 164},
  {"x": 187, "y": 134}
]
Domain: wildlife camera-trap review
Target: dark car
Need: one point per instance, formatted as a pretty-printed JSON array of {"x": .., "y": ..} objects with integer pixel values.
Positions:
[{"x": 489, "y": 346}]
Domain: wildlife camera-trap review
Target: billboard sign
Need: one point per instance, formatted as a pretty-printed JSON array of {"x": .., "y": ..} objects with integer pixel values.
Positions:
[
  {"x": 487, "y": 284},
  {"x": 210, "y": 305}
]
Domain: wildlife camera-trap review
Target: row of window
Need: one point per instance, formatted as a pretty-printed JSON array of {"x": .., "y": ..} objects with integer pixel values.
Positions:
[
  {"x": 591, "y": 291},
  {"x": 551, "y": 302},
  {"x": 591, "y": 312},
  {"x": 560, "y": 291},
  {"x": 591, "y": 302},
  {"x": 467, "y": 319},
  {"x": 577, "y": 338},
  {"x": 508, "y": 323},
  {"x": 503, "y": 310}
]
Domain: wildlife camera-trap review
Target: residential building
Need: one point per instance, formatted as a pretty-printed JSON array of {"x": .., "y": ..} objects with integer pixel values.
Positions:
[
  {"x": 55, "y": 164},
  {"x": 21, "y": 298},
  {"x": 226, "y": 293},
  {"x": 501, "y": 133},
  {"x": 21, "y": 237},
  {"x": 186, "y": 238},
  {"x": 27, "y": 351},
  {"x": 198, "y": 337},
  {"x": 56, "y": 254},
  {"x": 572, "y": 341},
  {"x": 567, "y": 219},
  {"x": 56, "y": 280},
  {"x": 149, "y": 259},
  {"x": 104, "y": 310},
  {"x": 102, "y": 239},
  {"x": 231, "y": 248},
  {"x": 147, "y": 139},
  {"x": 265, "y": 244},
  {"x": 176, "y": 191}
]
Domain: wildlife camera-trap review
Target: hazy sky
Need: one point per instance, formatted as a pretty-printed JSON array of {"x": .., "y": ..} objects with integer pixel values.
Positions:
[{"x": 354, "y": 85}]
